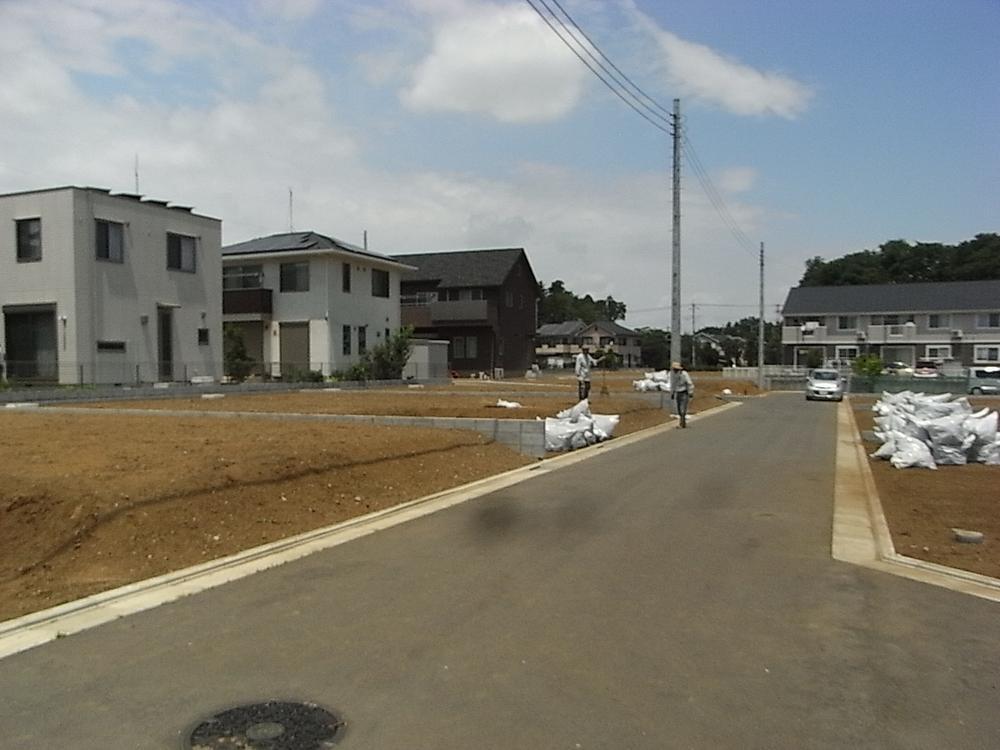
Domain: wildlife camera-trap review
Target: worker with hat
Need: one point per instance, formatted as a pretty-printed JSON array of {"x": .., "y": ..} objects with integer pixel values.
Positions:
[
  {"x": 584, "y": 362},
  {"x": 681, "y": 390}
]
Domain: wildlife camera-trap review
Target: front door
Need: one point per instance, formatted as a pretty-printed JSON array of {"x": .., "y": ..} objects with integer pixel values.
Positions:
[
  {"x": 165, "y": 329},
  {"x": 31, "y": 344},
  {"x": 293, "y": 344}
]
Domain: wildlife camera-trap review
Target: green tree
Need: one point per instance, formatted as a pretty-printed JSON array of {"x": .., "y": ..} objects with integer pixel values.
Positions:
[
  {"x": 558, "y": 305},
  {"x": 655, "y": 346},
  {"x": 899, "y": 262},
  {"x": 237, "y": 361},
  {"x": 386, "y": 360}
]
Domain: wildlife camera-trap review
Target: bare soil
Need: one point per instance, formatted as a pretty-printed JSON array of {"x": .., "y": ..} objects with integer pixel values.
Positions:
[
  {"x": 922, "y": 506},
  {"x": 90, "y": 502}
]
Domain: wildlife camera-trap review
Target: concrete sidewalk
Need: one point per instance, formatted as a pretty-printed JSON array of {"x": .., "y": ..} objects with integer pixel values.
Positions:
[{"x": 678, "y": 592}]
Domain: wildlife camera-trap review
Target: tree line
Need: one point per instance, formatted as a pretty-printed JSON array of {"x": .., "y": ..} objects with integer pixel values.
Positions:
[
  {"x": 899, "y": 262},
  {"x": 558, "y": 305}
]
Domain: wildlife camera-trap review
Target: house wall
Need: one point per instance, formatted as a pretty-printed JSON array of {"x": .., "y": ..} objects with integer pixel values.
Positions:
[
  {"x": 99, "y": 300},
  {"x": 517, "y": 319},
  {"x": 52, "y": 280}
]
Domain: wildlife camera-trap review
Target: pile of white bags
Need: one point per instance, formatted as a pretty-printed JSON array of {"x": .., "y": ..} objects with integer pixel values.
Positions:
[
  {"x": 578, "y": 428},
  {"x": 932, "y": 431},
  {"x": 653, "y": 381}
]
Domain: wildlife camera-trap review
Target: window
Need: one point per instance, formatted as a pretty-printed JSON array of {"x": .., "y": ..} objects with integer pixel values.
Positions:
[
  {"x": 988, "y": 320},
  {"x": 876, "y": 320},
  {"x": 847, "y": 322},
  {"x": 181, "y": 251},
  {"x": 380, "y": 283},
  {"x": 362, "y": 339},
  {"x": 243, "y": 277},
  {"x": 202, "y": 336},
  {"x": 451, "y": 295},
  {"x": 110, "y": 241},
  {"x": 890, "y": 320},
  {"x": 110, "y": 346},
  {"x": 418, "y": 298},
  {"x": 347, "y": 340},
  {"x": 477, "y": 294},
  {"x": 847, "y": 353},
  {"x": 345, "y": 276},
  {"x": 464, "y": 347},
  {"x": 940, "y": 352},
  {"x": 987, "y": 354},
  {"x": 29, "y": 240},
  {"x": 295, "y": 277},
  {"x": 938, "y": 321}
]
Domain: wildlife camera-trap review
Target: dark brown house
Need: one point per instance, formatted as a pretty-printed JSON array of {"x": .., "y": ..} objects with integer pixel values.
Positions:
[{"x": 483, "y": 302}]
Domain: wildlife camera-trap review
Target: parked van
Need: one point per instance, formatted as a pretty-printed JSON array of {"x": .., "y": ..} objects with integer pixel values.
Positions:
[{"x": 984, "y": 380}]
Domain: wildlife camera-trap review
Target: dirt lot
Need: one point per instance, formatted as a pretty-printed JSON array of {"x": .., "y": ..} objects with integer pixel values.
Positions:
[
  {"x": 922, "y": 506},
  {"x": 92, "y": 502}
]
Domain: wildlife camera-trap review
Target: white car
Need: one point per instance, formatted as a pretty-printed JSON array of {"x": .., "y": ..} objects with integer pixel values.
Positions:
[{"x": 824, "y": 385}]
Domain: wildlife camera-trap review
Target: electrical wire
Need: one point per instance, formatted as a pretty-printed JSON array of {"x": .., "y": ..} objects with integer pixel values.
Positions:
[{"x": 594, "y": 70}]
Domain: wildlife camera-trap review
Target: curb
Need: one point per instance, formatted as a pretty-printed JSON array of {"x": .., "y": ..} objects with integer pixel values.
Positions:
[
  {"x": 37, "y": 628},
  {"x": 861, "y": 534}
]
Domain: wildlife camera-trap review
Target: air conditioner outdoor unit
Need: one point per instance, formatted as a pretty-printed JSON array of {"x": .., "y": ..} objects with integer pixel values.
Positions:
[
  {"x": 810, "y": 325},
  {"x": 862, "y": 336},
  {"x": 957, "y": 333}
]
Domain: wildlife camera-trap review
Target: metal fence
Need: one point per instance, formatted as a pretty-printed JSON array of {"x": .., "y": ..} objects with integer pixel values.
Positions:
[{"x": 15, "y": 373}]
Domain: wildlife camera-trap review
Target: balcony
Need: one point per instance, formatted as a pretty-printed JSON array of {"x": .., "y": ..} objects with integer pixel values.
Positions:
[
  {"x": 246, "y": 302},
  {"x": 454, "y": 312}
]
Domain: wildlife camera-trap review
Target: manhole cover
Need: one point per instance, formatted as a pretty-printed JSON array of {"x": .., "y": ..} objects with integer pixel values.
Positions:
[{"x": 274, "y": 725}]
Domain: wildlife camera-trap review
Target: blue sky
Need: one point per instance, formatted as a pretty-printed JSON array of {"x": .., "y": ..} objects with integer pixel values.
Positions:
[{"x": 827, "y": 127}]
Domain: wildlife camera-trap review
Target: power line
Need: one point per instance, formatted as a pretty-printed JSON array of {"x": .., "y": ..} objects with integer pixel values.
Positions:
[
  {"x": 622, "y": 79},
  {"x": 615, "y": 90}
]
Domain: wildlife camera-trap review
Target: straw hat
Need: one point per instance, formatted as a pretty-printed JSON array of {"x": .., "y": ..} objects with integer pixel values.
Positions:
[{"x": 675, "y": 365}]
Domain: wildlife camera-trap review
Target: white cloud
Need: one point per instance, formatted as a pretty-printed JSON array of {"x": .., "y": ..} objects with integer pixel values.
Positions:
[
  {"x": 267, "y": 121},
  {"x": 695, "y": 70},
  {"x": 497, "y": 61},
  {"x": 289, "y": 10},
  {"x": 737, "y": 179}
]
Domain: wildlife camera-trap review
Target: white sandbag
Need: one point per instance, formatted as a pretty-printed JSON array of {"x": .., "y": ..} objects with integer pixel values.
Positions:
[
  {"x": 887, "y": 449},
  {"x": 582, "y": 409},
  {"x": 557, "y": 434},
  {"x": 911, "y": 452},
  {"x": 508, "y": 404},
  {"x": 990, "y": 455},
  {"x": 605, "y": 424},
  {"x": 984, "y": 432},
  {"x": 950, "y": 440}
]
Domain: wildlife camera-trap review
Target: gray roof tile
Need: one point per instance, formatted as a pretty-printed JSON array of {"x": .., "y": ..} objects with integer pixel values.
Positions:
[
  {"x": 291, "y": 242},
  {"x": 462, "y": 268},
  {"x": 943, "y": 296}
]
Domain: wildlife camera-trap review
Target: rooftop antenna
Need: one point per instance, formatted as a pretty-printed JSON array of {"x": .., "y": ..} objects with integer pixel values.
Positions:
[
  {"x": 136, "y": 169},
  {"x": 291, "y": 223},
  {"x": 365, "y": 240}
]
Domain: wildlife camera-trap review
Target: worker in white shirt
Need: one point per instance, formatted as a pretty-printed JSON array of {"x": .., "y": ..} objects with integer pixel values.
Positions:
[
  {"x": 584, "y": 363},
  {"x": 681, "y": 390}
]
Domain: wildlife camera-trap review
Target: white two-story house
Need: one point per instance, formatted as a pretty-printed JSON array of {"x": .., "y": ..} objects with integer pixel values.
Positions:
[
  {"x": 304, "y": 302},
  {"x": 956, "y": 322},
  {"x": 98, "y": 287}
]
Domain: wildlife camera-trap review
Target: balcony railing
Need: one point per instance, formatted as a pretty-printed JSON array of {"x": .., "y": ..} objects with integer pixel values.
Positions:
[{"x": 246, "y": 302}]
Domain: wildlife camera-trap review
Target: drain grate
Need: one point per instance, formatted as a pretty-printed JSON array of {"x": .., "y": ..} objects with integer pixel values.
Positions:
[{"x": 274, "y": 725}]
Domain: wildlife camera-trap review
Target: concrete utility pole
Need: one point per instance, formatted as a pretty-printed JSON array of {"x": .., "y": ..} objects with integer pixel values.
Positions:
[
  {"x": 675, "y": 293},
  {"x": 760, "y": 325}
]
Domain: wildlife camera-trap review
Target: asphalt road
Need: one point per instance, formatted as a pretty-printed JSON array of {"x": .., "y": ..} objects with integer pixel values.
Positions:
[{"x": 677, "y": 593}]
